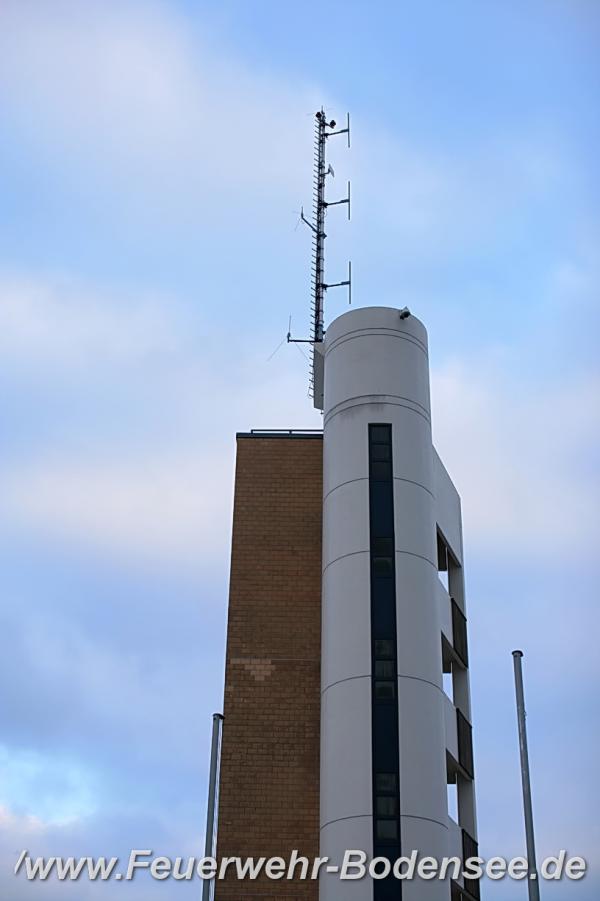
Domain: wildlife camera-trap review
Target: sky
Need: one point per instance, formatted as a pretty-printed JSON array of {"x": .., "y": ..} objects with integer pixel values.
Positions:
[{"x": 154, "y": 159}]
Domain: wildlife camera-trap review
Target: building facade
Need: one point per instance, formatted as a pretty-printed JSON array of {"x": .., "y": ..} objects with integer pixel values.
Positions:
[{"x": 347, "y": 704}]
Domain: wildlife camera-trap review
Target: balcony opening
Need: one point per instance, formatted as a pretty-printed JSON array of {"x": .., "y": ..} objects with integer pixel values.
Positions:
[
  {"x": 453, "y": 798},
  {"x": 442, "y": 562},
  {"x": 448, "y": 682},
  {"x": 449, "y": 670}
]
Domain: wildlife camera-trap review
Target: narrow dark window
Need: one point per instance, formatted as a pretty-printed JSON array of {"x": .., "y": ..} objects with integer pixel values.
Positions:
[
  {"x": 382, "y": 546},
  {"x": 385, "y": 648},
  {"x": 381, "y": 452},
  {"x": 380, "y": 434},
  {"x": 385, "y": 691},
  {"x": 386, "y": 806},
  {"x": 385, "y": 669},
  {"x": 381, "y": 470},
  {"x": 386, "y": 831},
  {"x": 384, "y": 662},
  {"x": 465, "y": 743},
  {"x": 386, "y": 782},
  {"x": 383, "y": 566}
]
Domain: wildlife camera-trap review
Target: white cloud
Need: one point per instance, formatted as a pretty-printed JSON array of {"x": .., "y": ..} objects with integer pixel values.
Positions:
[
  {"x": 173, "y": 505},
  {"x": 426, "y": 201},
  {"x": 521, "y": 455},
  {"x": 139, "y": 461},
  {"x": 20, "y": 825},
  {"x": 129, "y": 104},
  {"x": 135, "y": 100},
  {"x": 520, "y": 450},
  {"x": 60, "y": 323},
  {"x": 130, "y": 94},
  {"x": 148, "y": 471},
  {"x": 127, "y": 92},
  {"x": 521, "y": 463},
  {"x": 58, "y": 791}
]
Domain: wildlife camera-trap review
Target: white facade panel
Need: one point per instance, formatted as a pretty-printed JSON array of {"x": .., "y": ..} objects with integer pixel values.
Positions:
[
  {"x": 447, "y": 508},
  {"x": 423, "y": 792},
  {"x": 336, "y": 839},
  {"x": 455, "y": 843},
  {"x": 414, "y": 515},
  {"x": 419, "y": 642},
  {"x": 346, "y": 619},
  {"x": 430, "y": 840},
  {"x": 346, "y": 785},
  {"x": 345, "y": 526}
]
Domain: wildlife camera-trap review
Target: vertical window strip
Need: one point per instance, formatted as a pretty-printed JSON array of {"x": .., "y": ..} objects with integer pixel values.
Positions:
[{"x": 384, "y": 659}]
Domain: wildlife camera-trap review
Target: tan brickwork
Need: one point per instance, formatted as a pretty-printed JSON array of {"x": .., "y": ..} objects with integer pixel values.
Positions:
[{"x": 269, "y": 785}]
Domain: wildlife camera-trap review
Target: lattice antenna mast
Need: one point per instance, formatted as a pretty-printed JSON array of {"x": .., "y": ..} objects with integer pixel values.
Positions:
[{"x": 324, "y": 130}]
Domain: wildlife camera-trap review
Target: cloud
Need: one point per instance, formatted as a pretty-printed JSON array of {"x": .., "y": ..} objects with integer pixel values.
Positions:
[
  {"x": 174, "y": 133},
  {"x": 444, "y": 199},
  {"x": 130, "y": 91},
  {"x": 123, "y": 402},
  {"x": 96, "y": 836},
  {"x": 523, "y": 462},
  {"x": 522, "y": 459},
  {"x": 51, "y": 791},
  {"x": 93, "y": 684},
  {"x": 22, "y": 825},
  {"x": 136, "y": 457},
  {"x": 158, "y": 484},
  {"x": 174, "y": 506},
  {"x": 59, "y": 323},
  {"x": 140, "y": 119}
]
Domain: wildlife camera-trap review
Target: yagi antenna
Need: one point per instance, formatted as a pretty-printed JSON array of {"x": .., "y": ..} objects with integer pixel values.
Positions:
[{"x": 324, "y": 129}]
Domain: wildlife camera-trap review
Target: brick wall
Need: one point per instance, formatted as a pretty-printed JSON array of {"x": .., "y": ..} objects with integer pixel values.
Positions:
[{"x": 269, "y": 788}]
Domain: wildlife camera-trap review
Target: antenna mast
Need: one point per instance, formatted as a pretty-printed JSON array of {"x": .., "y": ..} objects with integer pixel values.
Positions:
[{"x": 324, "y": 130}]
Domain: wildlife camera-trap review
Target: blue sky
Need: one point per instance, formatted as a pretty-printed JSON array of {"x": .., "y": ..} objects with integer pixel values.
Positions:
[{"x": 154, "y": 158}]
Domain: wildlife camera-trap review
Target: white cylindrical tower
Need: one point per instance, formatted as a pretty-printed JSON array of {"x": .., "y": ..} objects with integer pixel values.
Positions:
[{"x": 383, "y": 765}]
